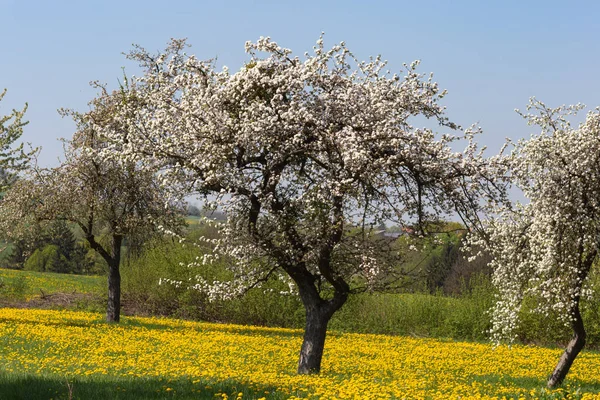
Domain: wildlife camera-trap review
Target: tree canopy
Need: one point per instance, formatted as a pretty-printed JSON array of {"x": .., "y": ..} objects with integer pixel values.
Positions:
[{"x": 305, "y": 157}]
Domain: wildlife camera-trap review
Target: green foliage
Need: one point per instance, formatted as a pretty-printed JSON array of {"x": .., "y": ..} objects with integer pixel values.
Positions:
[
  {"x": 464, "y": 316},
  {"x": 35, "y": 262},
  {"x": 439, "y": 265},
  {"x": 50, "y": 258},
  {"x": 21, "y": 249},
  {"x": 12, "y": 255},
  {"x": 87, "y": 261},
  {"x": 537, "y": 328},
  {"x": 141, "y": 276},
  {"x": 194, "y": 210},
  {"x": 47, "y": 259},
  {"x": 414, "y": 314},
  {"x": 54, "y": 249},
  {"x": 60, "y": 234},
  {"x": 169, "y": 259}
]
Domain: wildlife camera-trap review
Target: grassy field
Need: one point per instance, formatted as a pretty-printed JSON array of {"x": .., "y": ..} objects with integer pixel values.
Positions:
[
  {"x": 75, "y": 355},
  {"x": 25, "y": 285},
  {"x": 65, "y": 354}
]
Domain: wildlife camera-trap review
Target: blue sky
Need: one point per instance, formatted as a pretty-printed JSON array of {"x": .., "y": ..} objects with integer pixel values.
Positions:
[{"x": 491, "y": 56}]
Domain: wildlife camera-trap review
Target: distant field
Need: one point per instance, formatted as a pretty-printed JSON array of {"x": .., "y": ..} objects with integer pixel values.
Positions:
[
  {"x": 192, "y": 220},
  {"x": 46, "y": 354},
  {"x": 29, "y": 284}
]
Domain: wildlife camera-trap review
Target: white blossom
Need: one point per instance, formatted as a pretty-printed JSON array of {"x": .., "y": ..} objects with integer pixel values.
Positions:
[{"x": 304, "y": 156}]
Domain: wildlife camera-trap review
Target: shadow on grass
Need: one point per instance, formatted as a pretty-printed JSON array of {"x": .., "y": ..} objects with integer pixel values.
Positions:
[
  {"x": 83, "y": 324},
  {"x": 202, "y": 326},
  {"x": 571, "y": 388},
  {"x": 31, "y": 387},
  {"x": 132, "y": 322}
]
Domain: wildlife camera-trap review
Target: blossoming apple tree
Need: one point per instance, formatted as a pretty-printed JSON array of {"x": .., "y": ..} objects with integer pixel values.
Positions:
[
  {"x": 547, "y": 247},
  {"x": 305, "y": 156},
  {"x": 108, "y": 201}
]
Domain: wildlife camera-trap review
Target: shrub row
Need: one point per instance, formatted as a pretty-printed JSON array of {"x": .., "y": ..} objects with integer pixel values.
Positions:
[{"x": 460, "y": 317}]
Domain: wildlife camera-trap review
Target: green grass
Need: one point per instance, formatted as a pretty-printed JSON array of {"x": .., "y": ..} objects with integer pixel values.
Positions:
[
  {"x": 24, "y": 285},
  {"x": 47, "y": 386}
]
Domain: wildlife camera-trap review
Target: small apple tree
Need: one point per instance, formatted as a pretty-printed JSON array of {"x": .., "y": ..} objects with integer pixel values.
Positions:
[
  {"x": 108, "y": 201},
  {"x": 306, "y": 157},
  {"x": 547, "y": 247}
]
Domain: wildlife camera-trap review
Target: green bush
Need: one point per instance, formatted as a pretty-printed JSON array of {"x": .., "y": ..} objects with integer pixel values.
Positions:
[
  {"x": 464, "y": 316},
  {"x": 55, "y": 249},
  {"x": 35, "y": 262},
  {"x": 169, "y": 259},
  {"x": 405, "y": 314},
  {"x": 47, "y": 259},
  {"x": 417, "y": 315}
]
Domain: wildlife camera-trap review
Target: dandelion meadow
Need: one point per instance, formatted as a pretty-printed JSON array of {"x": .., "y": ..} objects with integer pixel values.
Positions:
[{"x": 66, "y": 354}]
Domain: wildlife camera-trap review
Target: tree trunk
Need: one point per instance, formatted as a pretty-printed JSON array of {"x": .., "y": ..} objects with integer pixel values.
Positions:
[
  {"x": 113, "y": 259},
  {"x": 573, "y": 348},
  {"x": 113, "y": 310},
  {"x": 318, "y": 314},
  {"x": 313, "y": 343}
]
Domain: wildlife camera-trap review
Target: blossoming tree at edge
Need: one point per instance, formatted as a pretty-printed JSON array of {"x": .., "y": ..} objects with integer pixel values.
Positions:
[{"x": 547, "y": 247}]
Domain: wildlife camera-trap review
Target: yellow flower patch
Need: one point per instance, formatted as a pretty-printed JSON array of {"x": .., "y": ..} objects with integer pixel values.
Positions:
[{"x": 355, "y": 366}]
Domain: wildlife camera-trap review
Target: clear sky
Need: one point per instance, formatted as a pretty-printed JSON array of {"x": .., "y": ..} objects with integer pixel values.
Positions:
[{"x": 490, "y": 55}]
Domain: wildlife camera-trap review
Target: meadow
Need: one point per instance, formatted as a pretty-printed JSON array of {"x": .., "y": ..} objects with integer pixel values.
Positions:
[
  {"x": 26, "y": 285},
  {"x": 75, "y": 355},
  {"x": 414, "y": 346}
]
